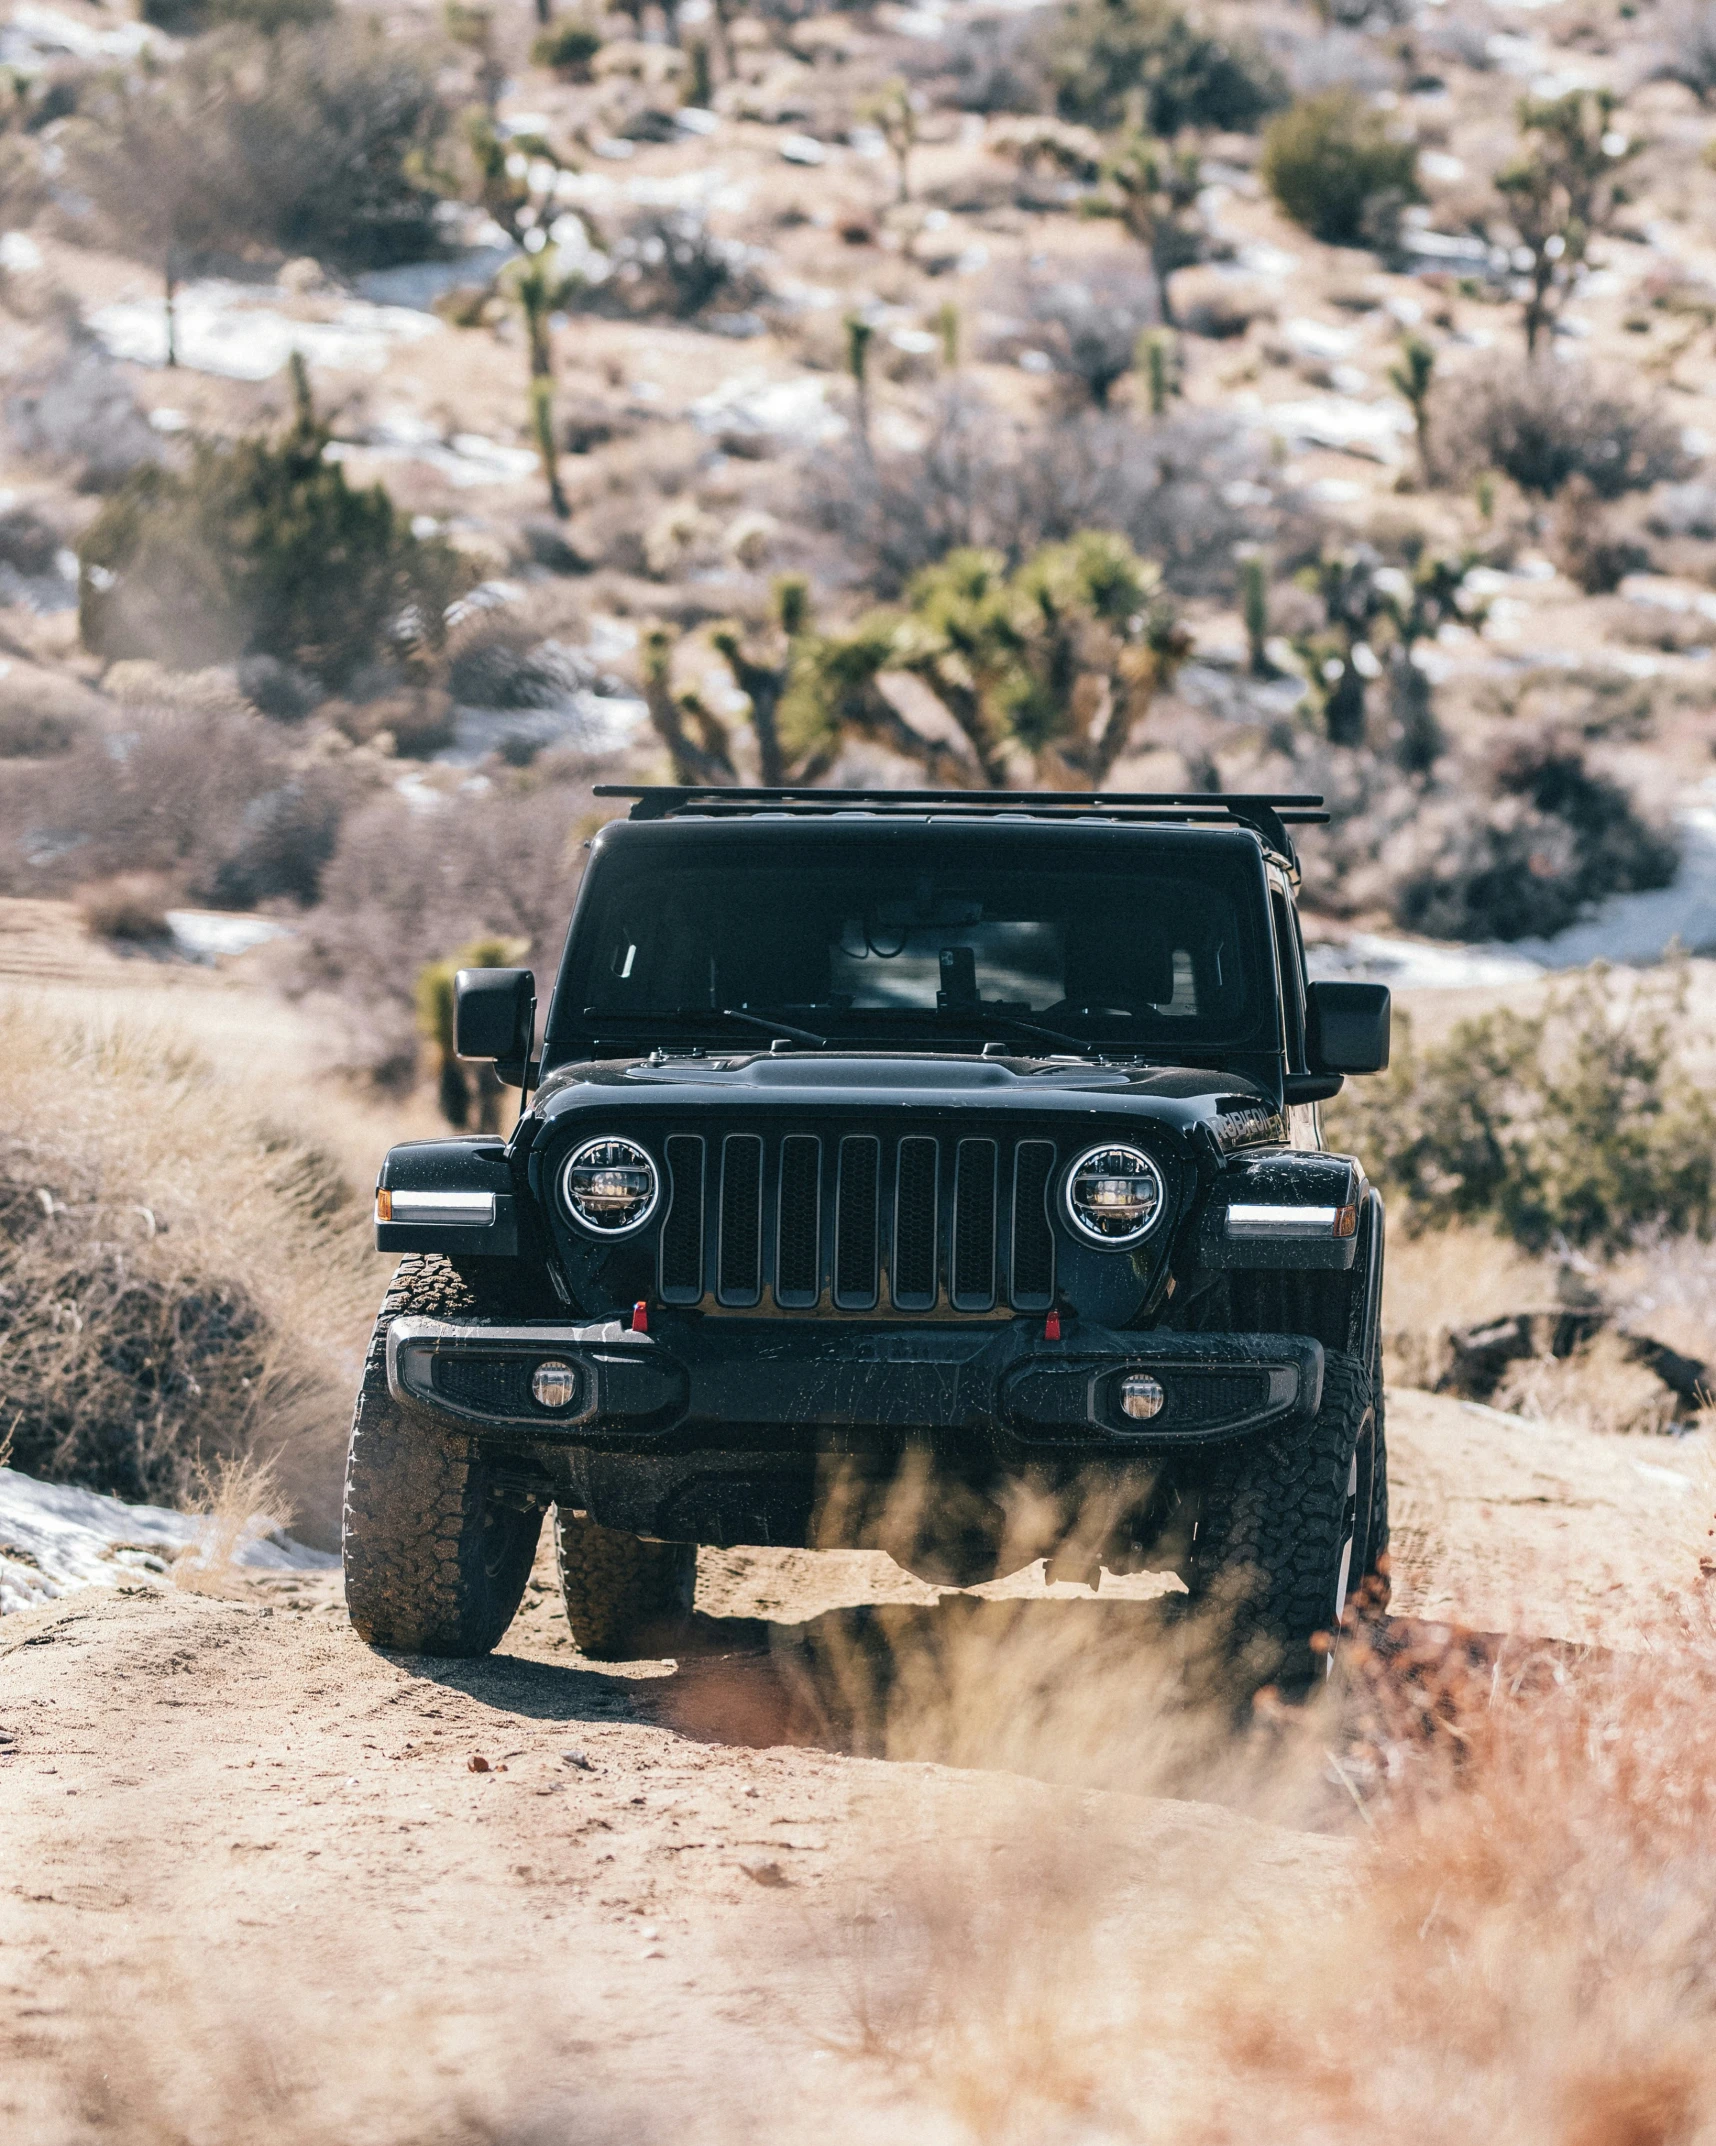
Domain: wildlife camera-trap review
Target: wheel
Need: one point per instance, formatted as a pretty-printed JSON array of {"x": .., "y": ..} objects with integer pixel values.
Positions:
[
  {"x": 624, "y": 1597},
  {"x": 1285, "y": 1528},
  {"x": 435, "y": 1554},
  {"x": 1373, "y": 1574}
]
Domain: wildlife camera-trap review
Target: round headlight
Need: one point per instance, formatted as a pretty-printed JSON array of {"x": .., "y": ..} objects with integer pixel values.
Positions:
[
  {"x": 610, "y": 1187},
  {"x": 1114, "y": 1196}
]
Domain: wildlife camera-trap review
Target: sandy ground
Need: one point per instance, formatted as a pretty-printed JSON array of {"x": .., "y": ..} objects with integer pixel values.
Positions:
[{"x": 247, "y": 1864}]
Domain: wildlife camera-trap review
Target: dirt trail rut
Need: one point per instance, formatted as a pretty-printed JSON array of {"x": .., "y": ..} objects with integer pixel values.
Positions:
[{"x": 238, "y": 1846}]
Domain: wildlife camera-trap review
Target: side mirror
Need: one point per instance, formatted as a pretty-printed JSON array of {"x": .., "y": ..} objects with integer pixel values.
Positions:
[
  {"x": 494, "y": 1017},
  {"x": 1346, "y": 1028}
]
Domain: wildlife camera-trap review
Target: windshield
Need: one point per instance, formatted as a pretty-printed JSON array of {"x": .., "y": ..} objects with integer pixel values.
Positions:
[{"x": 892, "y": 945}]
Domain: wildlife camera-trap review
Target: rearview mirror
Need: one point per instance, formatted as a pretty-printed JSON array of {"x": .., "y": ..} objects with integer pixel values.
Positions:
[
  {"x": 494, "y": 1017},
  {"x": 1346, "y": 1028}
]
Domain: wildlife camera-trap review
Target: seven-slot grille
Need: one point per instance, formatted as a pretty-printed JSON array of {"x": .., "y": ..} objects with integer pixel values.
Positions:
[{"x": 903, "y": 1225}]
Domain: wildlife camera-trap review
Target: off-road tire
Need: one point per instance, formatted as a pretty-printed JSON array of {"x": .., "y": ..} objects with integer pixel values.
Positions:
[
  {"x": 624, "y": 1597},
  {"x": 1276, "y": 1518},
  {"x": 436, "y": 1552}
]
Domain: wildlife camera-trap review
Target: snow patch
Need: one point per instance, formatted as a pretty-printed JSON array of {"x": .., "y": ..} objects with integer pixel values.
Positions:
[
  {"x": 232, "y": 329},
  {"x": 55, "y": 1538}
]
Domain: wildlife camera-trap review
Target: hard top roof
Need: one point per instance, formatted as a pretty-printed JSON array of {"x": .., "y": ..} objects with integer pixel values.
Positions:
[{"x": 1267, "y": 816}]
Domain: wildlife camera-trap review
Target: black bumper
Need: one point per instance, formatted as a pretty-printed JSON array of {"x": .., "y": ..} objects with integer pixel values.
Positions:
[{"x": 804, "y": 1387}]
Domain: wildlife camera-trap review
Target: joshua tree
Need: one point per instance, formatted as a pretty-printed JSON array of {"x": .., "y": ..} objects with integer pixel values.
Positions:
[
  {"x": 1046, "y": 673},
  {"x": 1560, "y": 193},
  {"x": 895, "y": 114},
  {"x": 764, "y": 674},
  {"x": 1254, "y": 605},
  {"x": 794, "y": 739},
  {"x": 1155, "y": 191},
  {"x": 1154, "y": 361},
  {"x": 540, "y": 291},
  {"x": 453, "y": 1085},
  {"x": 859, "y": 335},
  {"x": 1411, "y": 379}
]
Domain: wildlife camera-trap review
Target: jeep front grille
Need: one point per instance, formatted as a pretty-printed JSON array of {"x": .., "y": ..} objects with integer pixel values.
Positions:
[{"x": 859, "y": 1223}]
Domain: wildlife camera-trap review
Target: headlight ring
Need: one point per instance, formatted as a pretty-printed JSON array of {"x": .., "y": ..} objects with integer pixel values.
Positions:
[
  {"x": 610, "y": 1188},
  {"x": 1113, "y": 1196}
]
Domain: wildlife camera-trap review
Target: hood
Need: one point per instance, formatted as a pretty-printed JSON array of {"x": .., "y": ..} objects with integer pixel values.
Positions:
[{"x": 1236, "y": 1110}]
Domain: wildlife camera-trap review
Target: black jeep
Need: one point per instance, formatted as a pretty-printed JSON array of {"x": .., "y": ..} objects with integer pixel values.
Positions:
[{"x": 933, "y": 1172}]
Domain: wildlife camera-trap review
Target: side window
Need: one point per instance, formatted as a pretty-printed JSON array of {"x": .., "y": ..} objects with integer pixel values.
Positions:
[{"x": 1287, "y": 946}]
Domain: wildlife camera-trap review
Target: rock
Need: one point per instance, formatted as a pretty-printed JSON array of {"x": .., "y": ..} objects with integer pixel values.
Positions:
[
  {"x": 765, "y": 1873},
  {"x": 476, "y": 1763}
]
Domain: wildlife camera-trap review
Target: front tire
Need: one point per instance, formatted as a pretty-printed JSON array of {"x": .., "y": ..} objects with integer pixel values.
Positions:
[
  {"x": 1284, "y": 1532},
  {"x": 624, "y": 1597},
  {"x": 436, "y": 1555}
]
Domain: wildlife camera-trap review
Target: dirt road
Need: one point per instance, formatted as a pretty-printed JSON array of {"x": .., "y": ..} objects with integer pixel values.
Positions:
[{"x": 254, "y": 1885}]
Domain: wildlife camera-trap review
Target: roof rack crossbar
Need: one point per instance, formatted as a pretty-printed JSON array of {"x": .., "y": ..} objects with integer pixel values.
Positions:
[{"x": 1267, "y": 814}]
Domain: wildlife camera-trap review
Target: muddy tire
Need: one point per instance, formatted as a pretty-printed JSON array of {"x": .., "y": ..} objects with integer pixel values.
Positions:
[
  {"x": 624, "y": 1597},
  {"x": 1284, "y": 1532},
  {"x": 436, "y": 1555}
]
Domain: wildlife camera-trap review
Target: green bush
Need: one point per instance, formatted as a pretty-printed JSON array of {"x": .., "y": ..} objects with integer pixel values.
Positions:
[
  {"x": 1579, "y": 1122},
  {"x": 568, "y": 48},
  {"x": 1103, "y": 52},
  {"x": 190, "y": 18},
  {"x": 261, "y": 548},
  {"x": 1335, "y": 168}
]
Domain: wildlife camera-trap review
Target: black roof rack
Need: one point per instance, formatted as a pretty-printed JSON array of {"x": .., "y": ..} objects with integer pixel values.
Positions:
[{"x": 1268, "y": 816}]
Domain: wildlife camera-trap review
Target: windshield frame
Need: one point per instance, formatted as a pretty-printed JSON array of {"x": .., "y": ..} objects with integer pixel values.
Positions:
[{"x": 625, "y": 848}]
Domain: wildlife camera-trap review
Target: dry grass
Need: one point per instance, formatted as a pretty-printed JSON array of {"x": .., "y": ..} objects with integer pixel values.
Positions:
[
  {"x": 1599, "y": 1387},
  {"x": 185, "y": 1283},
  {"x": 1452, "y": 1278}
]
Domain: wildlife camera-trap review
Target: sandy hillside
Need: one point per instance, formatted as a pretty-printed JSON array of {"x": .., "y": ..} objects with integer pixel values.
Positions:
[{"x": 249, "y": 1864}]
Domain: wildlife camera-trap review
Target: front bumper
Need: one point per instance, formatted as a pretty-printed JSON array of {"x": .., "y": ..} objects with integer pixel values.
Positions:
[{"x": 801, "y": 1386}]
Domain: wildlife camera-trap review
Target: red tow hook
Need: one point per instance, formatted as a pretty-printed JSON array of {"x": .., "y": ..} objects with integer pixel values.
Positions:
[
  {"x": 640, "y": 1317},
  {"x": 1052, "y": 1327}
]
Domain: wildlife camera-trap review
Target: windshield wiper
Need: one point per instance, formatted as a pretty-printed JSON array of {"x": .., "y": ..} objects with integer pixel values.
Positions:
[
  {"x": 695, "y": 1016},
  {"x": 984, "y": 1017}
]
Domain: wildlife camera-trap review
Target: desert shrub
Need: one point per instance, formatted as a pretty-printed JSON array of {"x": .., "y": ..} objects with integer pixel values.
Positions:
[
  {"x": 996, "y": 65},
  {"x": 286, "y": 837},
  {"x": 1093, "y": 322},
  {"x": 1334, "y": 165},
  {"x": 39, "y": 721},
  {"x": 568, "y": 48},
  {"x": 1544, "y": 424},
  {"x": 277, "y": 689},
  {"x": 131, "y": 909},
  {"x": 1553, "y": 836},
  {"x": 260, "y": 548},
  {"x": 405, "y": 886},
  {"x": 205, "y": 799},
  {"x": 1689, "y": 48},
  {"x": 191, "y": 18},
  {"x": 78, "y": 412},
  {"x": 669, "y": 261},
  {"x": 28, "y": 545},
  {"x": 122, "y": 1369},
  {"x": 1184, "y": 491},
  {"x": 337, "y": 133},
  {"x": 1100, "y": 53},
  {"x": 1579, "y": 1121}
]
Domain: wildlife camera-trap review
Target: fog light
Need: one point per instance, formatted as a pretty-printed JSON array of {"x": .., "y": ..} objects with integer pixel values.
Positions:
[
  {"x": 1141, "y": 1397},
  {"x": 556, "y": 1385}
]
